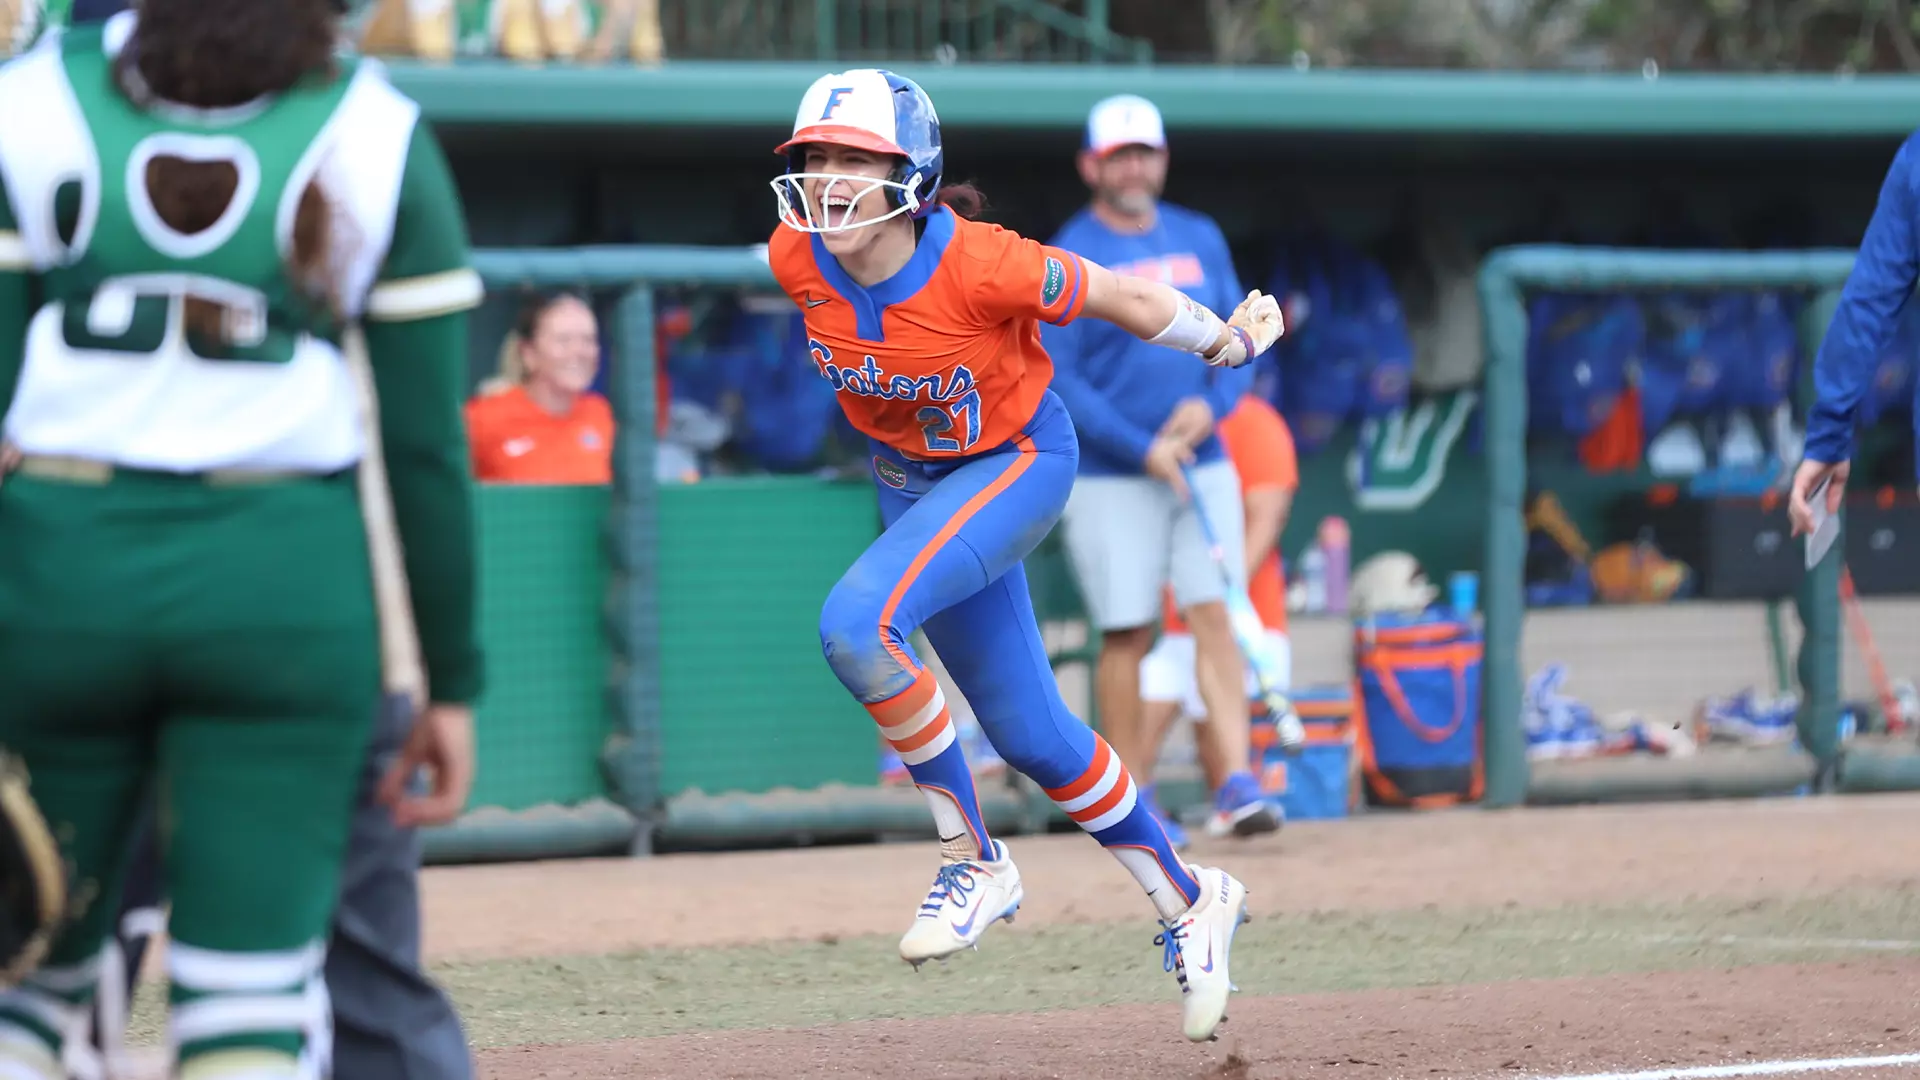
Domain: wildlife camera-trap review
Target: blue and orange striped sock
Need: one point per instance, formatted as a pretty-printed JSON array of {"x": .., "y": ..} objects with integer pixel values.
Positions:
[
  {"x": 1104, "y": 801},
  {"x": 916, "y": 723}
]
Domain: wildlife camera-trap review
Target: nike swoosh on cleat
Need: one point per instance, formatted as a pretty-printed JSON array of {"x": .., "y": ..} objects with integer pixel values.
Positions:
[
  {"x": 1207, "y": 968},
  {"x": 963, "y": 929}
]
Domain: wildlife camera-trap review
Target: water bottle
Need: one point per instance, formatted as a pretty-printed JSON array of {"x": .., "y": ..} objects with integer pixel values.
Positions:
[
  {"x": 1313, "y": 574},
  {"x": 1336, "y": 540},
  {"x": 1463, "y": 589}
]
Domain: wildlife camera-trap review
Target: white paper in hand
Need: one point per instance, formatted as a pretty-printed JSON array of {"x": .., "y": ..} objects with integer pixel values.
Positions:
[{"x": 1826, "y": 526}]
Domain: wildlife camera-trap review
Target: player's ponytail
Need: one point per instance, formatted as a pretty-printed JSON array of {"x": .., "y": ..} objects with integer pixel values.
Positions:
[
  {"x": 964, "y": 200},
  {"x": 213, "y": 54}
]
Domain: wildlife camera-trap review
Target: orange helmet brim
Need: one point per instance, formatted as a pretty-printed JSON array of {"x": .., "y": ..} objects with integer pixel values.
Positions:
[{"x": 841, "y": 135}]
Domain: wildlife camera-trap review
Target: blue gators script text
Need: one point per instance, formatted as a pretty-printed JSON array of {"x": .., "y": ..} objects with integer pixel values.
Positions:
[{"x": 950, "y": 426}]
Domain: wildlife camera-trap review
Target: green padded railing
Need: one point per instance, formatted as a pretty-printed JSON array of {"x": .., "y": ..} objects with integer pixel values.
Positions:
[
  {"x": 1505, "y": 278},
  {"x": 632, "y": 757},
  {"x": 883, "y": 30}
]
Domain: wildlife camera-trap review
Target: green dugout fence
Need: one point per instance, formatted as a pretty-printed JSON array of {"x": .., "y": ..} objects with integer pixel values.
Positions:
[
  {"x": 655, "y": 670},
  {"x": 1505, "y": 278}
]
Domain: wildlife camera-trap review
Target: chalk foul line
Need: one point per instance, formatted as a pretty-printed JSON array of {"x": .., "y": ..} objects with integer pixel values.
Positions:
[{"x": 1753, "y": 1068}]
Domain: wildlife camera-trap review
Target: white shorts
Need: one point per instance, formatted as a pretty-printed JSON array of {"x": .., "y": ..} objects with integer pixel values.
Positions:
[
  {"x": 1166, "y": 673},
  {"x": 1129, "y": 540}
]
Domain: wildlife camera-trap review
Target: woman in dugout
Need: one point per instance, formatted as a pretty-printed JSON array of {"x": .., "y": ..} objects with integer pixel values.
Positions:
[
  {"x": 926, "y": 322},
  {"x": 204, "y": 202},
  {"x": 544, "y": 424}
]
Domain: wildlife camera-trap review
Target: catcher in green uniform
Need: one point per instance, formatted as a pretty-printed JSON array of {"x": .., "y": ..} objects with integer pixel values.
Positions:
[{"x": 234, "y": 282}]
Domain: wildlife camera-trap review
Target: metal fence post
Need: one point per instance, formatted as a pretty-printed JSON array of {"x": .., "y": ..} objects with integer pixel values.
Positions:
[{"x": 632, "y": 754}]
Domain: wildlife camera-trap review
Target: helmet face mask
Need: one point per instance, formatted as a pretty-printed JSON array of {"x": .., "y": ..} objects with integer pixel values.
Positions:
[
  {"x": 867, "y": 110},
  {"x": 800, "y": 210}
]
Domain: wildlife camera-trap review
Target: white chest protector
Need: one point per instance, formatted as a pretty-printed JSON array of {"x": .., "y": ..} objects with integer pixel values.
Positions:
[{"x": 109, "y": 372}]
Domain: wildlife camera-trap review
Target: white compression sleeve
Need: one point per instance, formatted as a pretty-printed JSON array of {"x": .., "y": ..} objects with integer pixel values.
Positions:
[{"x": 1193, "y": 329}]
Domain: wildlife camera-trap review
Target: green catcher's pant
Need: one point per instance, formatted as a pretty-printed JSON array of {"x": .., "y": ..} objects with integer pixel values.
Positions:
[{"x": 215, "y": 643}]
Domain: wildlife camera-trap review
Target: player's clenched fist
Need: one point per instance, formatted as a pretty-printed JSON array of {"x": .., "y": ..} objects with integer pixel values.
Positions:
[
  {"x": 1259, "y": 316},
  {"x": 1252, "y": 330}
]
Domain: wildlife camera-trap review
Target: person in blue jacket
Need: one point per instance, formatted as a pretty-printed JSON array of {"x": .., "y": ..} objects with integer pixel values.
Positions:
[
  {"x": 1144, "y": 416},
  {"x": 1875, "y": 297}
]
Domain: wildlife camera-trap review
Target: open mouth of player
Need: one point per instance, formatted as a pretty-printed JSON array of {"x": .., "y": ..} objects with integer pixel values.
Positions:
[
  {"x": 837, "y": 198},
  {"x": 837, "y": 204}
]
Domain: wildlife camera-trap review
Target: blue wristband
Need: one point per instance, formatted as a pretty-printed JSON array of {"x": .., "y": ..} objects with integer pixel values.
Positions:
[{"x": 1246, "y": 348}]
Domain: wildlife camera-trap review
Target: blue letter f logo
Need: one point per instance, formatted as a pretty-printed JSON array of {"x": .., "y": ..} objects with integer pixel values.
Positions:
[{"x": 833, "y": 100}]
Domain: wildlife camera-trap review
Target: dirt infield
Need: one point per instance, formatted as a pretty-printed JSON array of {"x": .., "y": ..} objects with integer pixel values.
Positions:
[
  {"x": 1504, "y": 1029},
  {"x": 1463, "y": 858},
  {"x": 1467, "y": 861}
]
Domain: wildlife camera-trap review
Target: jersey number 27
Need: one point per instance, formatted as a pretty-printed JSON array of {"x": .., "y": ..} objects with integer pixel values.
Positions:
[{"x": 936, "y": 421}]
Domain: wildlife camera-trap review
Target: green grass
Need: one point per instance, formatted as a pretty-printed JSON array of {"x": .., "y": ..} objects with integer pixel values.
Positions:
[{"x": 1022, "y": 969}]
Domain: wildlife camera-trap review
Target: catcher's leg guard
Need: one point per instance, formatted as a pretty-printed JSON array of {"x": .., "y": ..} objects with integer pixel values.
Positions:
[{"x": 33, "y": 880}]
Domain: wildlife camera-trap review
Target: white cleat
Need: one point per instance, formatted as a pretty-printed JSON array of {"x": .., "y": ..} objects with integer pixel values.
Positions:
[
  {"x": 966, "y": 898},
  {"x": 1197, "y": 946}
]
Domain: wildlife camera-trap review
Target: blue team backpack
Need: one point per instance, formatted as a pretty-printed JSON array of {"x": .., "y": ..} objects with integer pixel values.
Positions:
[
  {"x": 1352, "y": 358},
  {"x": 709, "y": 362},
  {"x": 1580, "y": 347},
  {"x": 786, "y": 409},
  {"x": 1390, "y": 371},
  {"x": 1689, "y": 341},
  {"x": 1364, "y": 298},
  {"x": 1764, "y": 358},
  {"x": 1321, "y": 364}
]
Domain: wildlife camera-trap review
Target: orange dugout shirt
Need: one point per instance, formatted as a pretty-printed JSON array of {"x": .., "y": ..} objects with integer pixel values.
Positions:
[
  {"x": 1260, "y": 445},
  {"x": 515, "y": 441},
  {"x": 944, "y": 358}
]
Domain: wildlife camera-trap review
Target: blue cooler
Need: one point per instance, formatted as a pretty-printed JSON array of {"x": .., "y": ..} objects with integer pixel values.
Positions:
[
  {"x": 1417, "y": 685},
  {"x": 1318, "y": 782}
]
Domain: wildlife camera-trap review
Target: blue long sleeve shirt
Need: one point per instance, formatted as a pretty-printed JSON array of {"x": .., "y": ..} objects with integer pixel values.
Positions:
[
  {"x": 1871, "y": 304},
  {"x": 1119, "y": 389}
]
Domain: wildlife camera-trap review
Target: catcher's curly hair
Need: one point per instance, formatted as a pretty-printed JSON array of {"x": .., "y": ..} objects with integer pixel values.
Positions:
[{"x": 214, "y": 54}]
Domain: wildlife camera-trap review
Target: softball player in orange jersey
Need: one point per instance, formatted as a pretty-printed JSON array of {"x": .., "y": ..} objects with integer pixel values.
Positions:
[{"x": 927, "y": 324}]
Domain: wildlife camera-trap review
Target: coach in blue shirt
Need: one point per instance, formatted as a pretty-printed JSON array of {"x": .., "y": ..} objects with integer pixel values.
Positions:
[
  {"x": 1882, "y": 281},
  {"x": 1142, "y": 413}
]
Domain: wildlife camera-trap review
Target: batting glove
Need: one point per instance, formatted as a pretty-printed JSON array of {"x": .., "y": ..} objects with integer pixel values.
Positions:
[{"x": 1256, "y": 326}]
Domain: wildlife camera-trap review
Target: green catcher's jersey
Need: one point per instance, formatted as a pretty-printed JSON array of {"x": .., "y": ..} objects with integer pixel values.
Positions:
[{"x": 111, "y": 371}]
